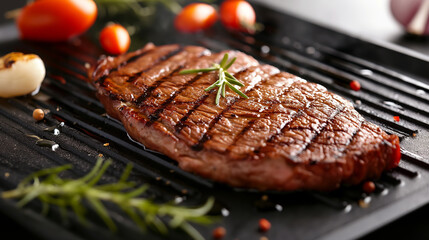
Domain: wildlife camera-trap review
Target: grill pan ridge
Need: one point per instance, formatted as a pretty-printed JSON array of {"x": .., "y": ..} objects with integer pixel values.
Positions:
[{"x": 388, "y": 89}]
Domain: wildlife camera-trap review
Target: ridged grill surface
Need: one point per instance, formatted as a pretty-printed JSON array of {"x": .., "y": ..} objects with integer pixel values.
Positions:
[{"x": 386, "y": 92}]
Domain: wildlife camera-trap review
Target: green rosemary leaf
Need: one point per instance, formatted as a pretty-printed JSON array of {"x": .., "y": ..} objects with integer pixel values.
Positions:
[
  {"x": 102, "y": 212},
  {"x": 50, "y": 189},
  {"x": 223, "y": 90},
  {"x": 212, "y": 86},
  {"x": 93, "y": 171},
  {"x": 202, "y": 70},
  {"x": 30, "y": 196},
  {"x": 225, "y": 78},
  {"x": 159, "y": 225},
  {"x": 191, "y": 231},
  {"x": 52, "y": 200},
  {"x": 132, "y": 213},
  {"x": 100, "y": 173},
  {"x": 234, "y": 82},
  {"x": 126, "y": 173},
  {"x": 233, "y": 79},
  {"x": 223, "y": 61},
  {"x": 196, "y": 212},
  {"x": 44, "y": 172},
  {"x": 203, "y": 220},
  {"x": 229, "y": 64},
  {"x": 136, "y": 192},
  {"x": 78, "y": 209},
  {"x": 236, "y": 90},
  {"x": 36, "y": 182},
  {"x": 115, "y": 187},
  {"x": 176, "y": 221},
  {"x": 218, "y": 94}
]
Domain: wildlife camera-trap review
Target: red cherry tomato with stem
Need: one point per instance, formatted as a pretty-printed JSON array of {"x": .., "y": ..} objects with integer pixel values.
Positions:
[
  {"x": 115, "y": 39},
  {"x": 238, "y": 15},
  {"x": 56, "y": 20},
  {"x": 195, "y": 17}
]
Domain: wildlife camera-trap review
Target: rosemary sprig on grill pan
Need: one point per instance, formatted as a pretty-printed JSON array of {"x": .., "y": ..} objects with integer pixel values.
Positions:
[
  {"x": 225, "y": 78},
  {"x": 50, "y": 189}
]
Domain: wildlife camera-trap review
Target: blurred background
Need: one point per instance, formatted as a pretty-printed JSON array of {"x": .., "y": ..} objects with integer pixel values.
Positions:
[{"x": 366, "y": 19}]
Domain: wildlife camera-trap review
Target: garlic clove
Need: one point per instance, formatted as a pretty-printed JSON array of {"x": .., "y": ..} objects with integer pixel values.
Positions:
[
  {"x": 413, "y": 15},
  {"x": 20, "y": 74}
]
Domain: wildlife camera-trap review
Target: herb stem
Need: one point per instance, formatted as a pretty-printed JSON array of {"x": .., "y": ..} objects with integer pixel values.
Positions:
[
  {"x": 225, "y": 78},
  {"x": 53, "y": 190}
]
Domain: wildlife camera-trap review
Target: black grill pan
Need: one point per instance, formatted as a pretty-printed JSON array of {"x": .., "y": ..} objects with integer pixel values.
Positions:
[{"x": 393, "y": 84}]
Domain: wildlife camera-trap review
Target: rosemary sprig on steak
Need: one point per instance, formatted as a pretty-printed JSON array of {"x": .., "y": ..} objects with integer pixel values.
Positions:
[
  {"x": 225, "y": 78},
  {"x": 51, "y": 189}
]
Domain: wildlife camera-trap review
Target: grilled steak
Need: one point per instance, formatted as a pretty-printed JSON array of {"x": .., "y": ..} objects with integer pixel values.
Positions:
[{"x": 290, "y": 134}]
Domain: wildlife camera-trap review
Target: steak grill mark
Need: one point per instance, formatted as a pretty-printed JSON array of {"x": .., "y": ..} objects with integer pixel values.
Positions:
[
  {"x": 159, "y": 60},
  {"x": 206, "y": 136},
  {"x": 106, "y": 72},
  {"x": 179, "y": 125},
  {"x": 155, "y": 116},
  {"x": 317, "y": 132},
  {"x": 296, "y": 125},
  {"x": 153, "y": 103},
  {"x": 268, "y": 112},
  {"x": 193, "y": 95},
  {"x": 146, "y": 94}
]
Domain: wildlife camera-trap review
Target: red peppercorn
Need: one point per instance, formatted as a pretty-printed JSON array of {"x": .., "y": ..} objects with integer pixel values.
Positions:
[
  {"x": 264, "y": 225},
  {"x": 396, "y": 118},
  {"x": 219, "y": 232},
  {"x": 368, "y": 187},
  {"x": 355, "y": 85}
]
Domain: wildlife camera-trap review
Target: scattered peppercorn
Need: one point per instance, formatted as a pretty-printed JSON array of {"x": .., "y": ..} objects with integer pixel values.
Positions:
[
  {"x": 219, "y": 232},
  {"x": 363, "y": 204},
  {"x": 38, "y": 114},
  {"x": 264, "y": 197},
  {"x": 355, "y": 85},
  {"x": 396, "y": 118},
  {"x": 368, "y": 187},
  {"x": 264, "y": 225}
]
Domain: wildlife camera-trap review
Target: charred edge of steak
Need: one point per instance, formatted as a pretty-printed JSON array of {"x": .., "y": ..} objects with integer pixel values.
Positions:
[
  {"x": 160, "y": 59},
  {"x": 104, "y": 61}
]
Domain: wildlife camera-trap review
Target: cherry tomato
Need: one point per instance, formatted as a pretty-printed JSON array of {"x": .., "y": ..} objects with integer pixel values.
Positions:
[
  {"x": 238, "y": 15},
  {"x": 195, "y": 17},
  {"x": 56, "y": 20},
  {"x": 115, "y": 39}
]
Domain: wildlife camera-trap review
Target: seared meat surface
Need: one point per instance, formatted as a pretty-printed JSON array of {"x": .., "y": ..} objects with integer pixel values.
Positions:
[{"x": 289, "y": 135}]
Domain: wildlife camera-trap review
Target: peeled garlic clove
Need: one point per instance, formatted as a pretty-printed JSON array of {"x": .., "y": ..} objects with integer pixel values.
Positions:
[
  {"x": 20, "y": 74},
  {"x": 413, "y": 15}
]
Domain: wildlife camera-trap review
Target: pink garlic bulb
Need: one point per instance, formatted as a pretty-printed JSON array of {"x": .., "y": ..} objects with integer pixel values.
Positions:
[{"x": 412, "y": 14}]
